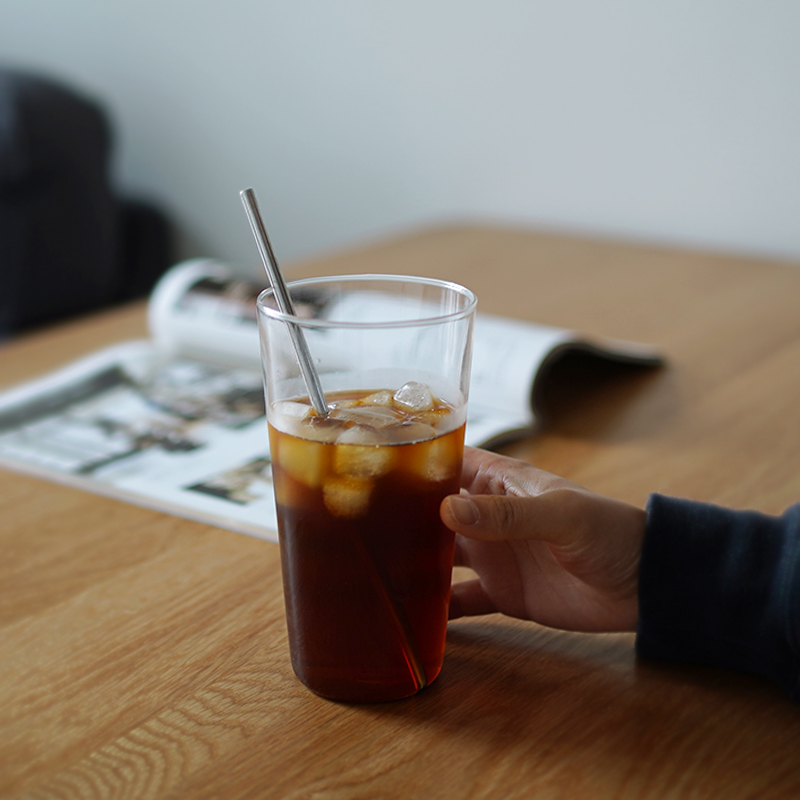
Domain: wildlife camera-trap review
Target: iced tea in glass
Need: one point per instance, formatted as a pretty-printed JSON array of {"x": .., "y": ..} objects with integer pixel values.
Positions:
[{"x": 366, "y": 561}]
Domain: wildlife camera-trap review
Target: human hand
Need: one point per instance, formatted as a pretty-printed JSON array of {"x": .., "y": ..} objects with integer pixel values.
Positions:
[{"x": 543, "y": 548}]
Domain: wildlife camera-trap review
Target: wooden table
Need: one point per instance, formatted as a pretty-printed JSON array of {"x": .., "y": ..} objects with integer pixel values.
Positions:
[{"x": 145, "y": 655}]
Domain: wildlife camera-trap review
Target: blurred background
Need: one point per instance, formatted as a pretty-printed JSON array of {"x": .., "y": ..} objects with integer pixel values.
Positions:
[{"x": 672, "y": 121}]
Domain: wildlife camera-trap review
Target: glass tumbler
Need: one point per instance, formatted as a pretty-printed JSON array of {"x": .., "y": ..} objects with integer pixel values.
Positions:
[{"x": 366, "y": 561}]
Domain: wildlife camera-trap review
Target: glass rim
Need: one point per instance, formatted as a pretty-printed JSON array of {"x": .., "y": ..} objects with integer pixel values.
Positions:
[{"x": 470, "y": 302}]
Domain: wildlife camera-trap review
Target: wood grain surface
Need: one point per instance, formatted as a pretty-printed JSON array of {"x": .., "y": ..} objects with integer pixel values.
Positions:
[{"x": 145, "y": 656}]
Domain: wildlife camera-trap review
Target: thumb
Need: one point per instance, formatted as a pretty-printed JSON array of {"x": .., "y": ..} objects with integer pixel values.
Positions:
[{"x": 554, "y": 516}]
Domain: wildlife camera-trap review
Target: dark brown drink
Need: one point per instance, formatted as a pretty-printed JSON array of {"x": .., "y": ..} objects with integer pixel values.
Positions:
[{"x": 366, "y": 560}]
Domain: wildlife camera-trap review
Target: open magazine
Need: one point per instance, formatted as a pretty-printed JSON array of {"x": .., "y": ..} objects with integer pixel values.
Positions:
[{"x": 176, "y": 422}]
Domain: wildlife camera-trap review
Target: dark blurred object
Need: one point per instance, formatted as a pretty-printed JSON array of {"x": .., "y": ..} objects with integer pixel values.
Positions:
[{"x": 68, "y": 244}]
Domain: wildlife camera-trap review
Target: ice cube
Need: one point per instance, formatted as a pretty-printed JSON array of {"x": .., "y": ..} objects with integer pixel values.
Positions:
[
  {"x": 382, "y": 398},
  {"x": 305, "y": 461},
  {"x": 375, "y": 417},
  {"x": 441, "y": 418},
  {"x": 359, "y": 461},
  {"x": 356, "y": 435},
  {"x": 288, "y": 415},
  {"x": 438, "y": 459},
  {"x": 348, "y": 403},
  {"x": 414, "y": 396},
  {"x": 290, "y": 410},
  {"x": 288, "y": 493},
  {"x": 411, "y": 432},
  {"x": 321, "y": 429},
  {"x": 347, "y": 497}
]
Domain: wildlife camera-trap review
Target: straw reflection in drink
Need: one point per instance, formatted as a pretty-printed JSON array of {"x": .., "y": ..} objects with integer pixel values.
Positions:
[{"x": 366, "y": 560}]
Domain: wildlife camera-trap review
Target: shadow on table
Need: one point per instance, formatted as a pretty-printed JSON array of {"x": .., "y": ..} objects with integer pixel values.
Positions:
[{"x": 517, "y": 687}]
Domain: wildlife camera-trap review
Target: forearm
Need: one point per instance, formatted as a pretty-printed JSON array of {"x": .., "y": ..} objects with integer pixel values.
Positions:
[{"x": 722, "y": 588}]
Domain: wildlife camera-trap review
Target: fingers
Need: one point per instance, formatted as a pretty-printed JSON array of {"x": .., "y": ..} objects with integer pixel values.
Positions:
[
  {"x": 484, "y": 472},
  {"x": 557, "y": 516}
]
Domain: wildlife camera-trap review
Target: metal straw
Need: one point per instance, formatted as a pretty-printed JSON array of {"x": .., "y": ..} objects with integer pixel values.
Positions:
[{"x": 310, "y": 377}]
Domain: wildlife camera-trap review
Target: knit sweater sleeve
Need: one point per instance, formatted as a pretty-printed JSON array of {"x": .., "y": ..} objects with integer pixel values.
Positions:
[{"x": 722, "y": 588}]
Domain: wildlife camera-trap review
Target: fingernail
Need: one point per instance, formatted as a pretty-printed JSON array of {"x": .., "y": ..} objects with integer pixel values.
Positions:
[{"x": 464, "y": 510}]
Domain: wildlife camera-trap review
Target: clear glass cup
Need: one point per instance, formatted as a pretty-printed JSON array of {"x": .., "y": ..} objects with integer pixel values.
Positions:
[{"x": 366, "y": 561}]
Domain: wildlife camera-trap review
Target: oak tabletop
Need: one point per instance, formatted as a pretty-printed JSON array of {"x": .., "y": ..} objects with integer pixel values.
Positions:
[{"x": 145, "y": 656}]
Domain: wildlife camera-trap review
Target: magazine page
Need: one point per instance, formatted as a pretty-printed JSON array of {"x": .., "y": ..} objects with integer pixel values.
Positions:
[
  {"x": 506, "y": 358},
  {"x": 515, "y": 366},
  {"x": 202, "y": 309},
  {"x": 174, "y": 434}
]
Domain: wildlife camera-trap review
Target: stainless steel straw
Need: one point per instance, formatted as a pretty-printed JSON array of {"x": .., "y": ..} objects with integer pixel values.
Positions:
[{"x": 310, "y": 377}]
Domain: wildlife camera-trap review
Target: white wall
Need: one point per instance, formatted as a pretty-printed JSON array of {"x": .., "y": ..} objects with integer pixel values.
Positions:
[{"x": 670, "y": 120}]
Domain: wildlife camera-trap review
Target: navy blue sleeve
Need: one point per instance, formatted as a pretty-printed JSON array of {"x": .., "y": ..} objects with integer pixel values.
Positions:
[{"x": 722, "y": 588}]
